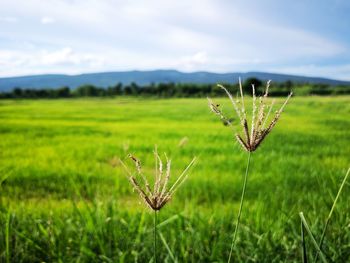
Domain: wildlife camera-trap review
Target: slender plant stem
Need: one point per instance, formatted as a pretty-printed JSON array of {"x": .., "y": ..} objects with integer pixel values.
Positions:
[
  {"x": 331, "y": 212},
  {"x": 240, "y": 207},
  {"x": 308, "y": 230},
  {"x": 303, "y": 250},
  {"x": 167, "y": 246},
  {"x": 7, "y": 236},
  {"x": 155, "y": 236}
]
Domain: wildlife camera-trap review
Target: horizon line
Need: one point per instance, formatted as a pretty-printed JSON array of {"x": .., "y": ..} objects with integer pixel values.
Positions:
[{"x": 175, "y": 70}]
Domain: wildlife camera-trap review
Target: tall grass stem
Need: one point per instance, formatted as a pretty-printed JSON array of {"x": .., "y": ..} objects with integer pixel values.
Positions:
[
  {"x": 331, "y": 212},
  {"x": 303, "y": 250},
  {"x": 167, "y": 246},
  {"x": 7, "y": 236},
  {"x": 313, "y": 241},
  {"x": 240, "y": 207},
  {"x": 155, "y": 236}
]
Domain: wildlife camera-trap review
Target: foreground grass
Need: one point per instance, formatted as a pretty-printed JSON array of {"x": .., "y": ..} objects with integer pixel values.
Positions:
[{"x": 63, "y": 201}]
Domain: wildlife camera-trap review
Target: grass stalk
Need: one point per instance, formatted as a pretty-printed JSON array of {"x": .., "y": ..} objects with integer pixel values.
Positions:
[
  {"x": 155, "y": 236},
  {"x": 308, "y": 230},
  {"x": 331, "y": 212},
  {"x": 240, "y": 207},
  {"x": 167, "y": 247},
  {"x": 303, "y": 251},
  {"x": 7, "y": 237}
]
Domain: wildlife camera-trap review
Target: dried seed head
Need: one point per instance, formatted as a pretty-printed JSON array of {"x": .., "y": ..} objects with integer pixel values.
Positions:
[
  {"x": 157, "y": 197},
  {"x": 258, "y": 132},
  {"x": 183, "y": 142},
  {"x": 215, "y": 108},
  {"x": 137, "y": 162}
]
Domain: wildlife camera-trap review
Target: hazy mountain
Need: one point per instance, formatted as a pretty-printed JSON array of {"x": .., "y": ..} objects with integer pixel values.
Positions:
[{"x": 106, "y": 79}]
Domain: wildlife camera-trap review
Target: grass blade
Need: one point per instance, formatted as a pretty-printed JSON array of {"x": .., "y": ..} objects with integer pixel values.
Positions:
[
  {"x": 167, "y": 247},
  {"x": 331, "y": 212},
  {"x": 303, "y": 252},
  {"x": 168, "y": 221},
  {"x": 7, "y": 236},
  {"x": 303, "y": 221}
]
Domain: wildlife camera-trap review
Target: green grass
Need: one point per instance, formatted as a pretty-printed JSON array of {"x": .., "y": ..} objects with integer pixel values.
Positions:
[{"x": 62, "y": 201}]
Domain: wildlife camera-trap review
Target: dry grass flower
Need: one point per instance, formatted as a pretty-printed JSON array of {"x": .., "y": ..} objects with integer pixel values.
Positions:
[
  {"x": 159, "y": 194},
  {"x": 253, "y": 137}
]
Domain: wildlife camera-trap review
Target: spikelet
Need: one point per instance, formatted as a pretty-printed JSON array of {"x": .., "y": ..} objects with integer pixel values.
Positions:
[
  {"x": 215, "y": 108},
  {"x": 157, "y": 197},
  {"x": 253, "y": 138}
]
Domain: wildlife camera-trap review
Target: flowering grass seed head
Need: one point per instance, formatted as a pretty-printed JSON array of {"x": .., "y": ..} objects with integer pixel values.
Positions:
[
  {"x": 157, "y": 196},
  {"x": 251, "y": 139}
]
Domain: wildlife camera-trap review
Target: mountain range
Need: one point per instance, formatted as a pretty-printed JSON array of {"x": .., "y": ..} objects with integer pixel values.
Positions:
[{"x": 105, "y": 79}]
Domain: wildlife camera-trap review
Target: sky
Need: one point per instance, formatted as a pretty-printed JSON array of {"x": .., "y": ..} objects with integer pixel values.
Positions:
[{"x": 301, "y": 37}]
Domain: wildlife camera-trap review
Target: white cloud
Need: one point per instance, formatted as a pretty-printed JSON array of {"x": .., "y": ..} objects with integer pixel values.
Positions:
[
  {"x": 67, "y": 56},
  {"x": 8, "y": 19},
  {"x": 192, "y": 62},
  {"x": 13, "y": 63},
  {"x": 194, "y": 35},
  {"x": 47, "y": 20},
  {"x": 341, "y": 72}
]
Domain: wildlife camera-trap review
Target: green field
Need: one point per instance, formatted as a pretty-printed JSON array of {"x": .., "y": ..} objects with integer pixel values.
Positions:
[{"x": 64, "y": 198}]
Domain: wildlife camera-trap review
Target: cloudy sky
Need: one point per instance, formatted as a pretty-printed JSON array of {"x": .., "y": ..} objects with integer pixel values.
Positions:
[{"x": 306, "y": 37}]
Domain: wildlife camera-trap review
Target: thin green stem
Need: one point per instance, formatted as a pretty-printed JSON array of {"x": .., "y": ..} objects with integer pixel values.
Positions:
[
  {"x": 303, "y": 251},
  {"x": 313, "y": 241},
  {"x": 7, "y": 237},
  {"x": 331, "y": 212},
  {"x": 155, "y": 236},
  {"x": 167, "y": 246},
  {"x": 240, "y": 208}
]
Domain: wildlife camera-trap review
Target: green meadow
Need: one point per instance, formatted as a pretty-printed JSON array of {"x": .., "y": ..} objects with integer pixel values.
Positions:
[{"x": 64, "y": 197}]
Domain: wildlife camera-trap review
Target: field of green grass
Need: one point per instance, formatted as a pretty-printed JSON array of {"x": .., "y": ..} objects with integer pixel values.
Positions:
[{"x": 65, "y": 198}]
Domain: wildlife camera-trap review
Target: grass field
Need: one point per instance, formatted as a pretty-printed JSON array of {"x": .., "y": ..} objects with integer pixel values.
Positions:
[{"x": 64, "y": 198}]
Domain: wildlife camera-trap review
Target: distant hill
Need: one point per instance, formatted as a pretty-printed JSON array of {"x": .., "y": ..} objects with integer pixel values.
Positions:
[{"x": 106, "y": 79}]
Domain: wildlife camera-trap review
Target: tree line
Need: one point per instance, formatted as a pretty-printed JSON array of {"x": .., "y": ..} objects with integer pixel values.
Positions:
[{"x": 166, "y": 90}]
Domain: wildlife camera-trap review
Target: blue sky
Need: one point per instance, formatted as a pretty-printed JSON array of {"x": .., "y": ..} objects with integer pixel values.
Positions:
[{"x": 306, "y": 37}]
